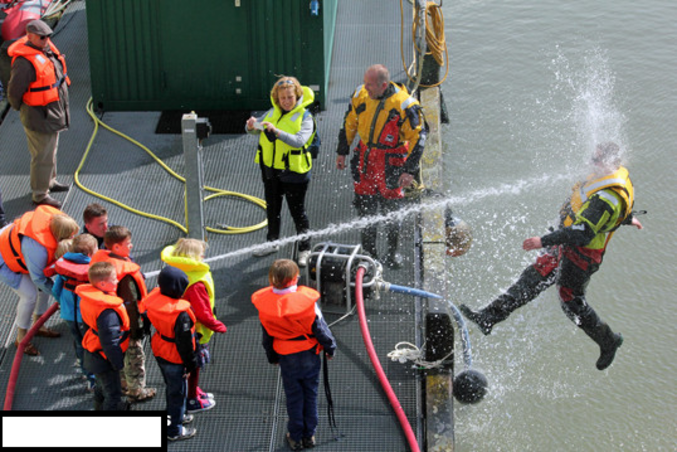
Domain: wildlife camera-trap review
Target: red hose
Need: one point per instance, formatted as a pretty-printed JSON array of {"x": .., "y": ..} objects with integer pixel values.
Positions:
[
  {"x": 16, "y": 366},
  {"x": 366, "y": 336}
]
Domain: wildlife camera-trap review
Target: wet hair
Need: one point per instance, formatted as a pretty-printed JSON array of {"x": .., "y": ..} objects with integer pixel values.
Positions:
[
  {"x": 192, "y": 248},
  {"x": 85, "y": 244},
  {"x": 64, "y": 246},
  {"x": 282, "y": 273},
  {"x": 609, "y": 153},
  {"x": 382, "y": 73},
  {"x": 92, "y": 211},
  {"x": 62, "y": 226},
  {"x": 100, "y": 271},
  {"x": 285, "y": 82},
  {"x": 115, "y": 235}
]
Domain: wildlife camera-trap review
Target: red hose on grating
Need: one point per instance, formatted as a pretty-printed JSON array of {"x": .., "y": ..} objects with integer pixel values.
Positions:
[{"x": 366, "y": 336}]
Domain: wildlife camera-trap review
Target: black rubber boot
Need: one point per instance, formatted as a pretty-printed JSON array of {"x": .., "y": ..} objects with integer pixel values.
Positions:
[
  {"x": 394, "y": 259},
  {"x": 588, "y": 320},
  {"x": 529, "y": 285},
  {"x": 608, "y": 350},
  {"x": 369, "y": 241},
  {"x": 481, "y": 318}
]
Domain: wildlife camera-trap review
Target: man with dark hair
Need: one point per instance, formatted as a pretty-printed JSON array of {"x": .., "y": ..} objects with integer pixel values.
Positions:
[
  {"x": 95, "y": 217},
  {"x": 597, "y": 207},
  {"x": 38, "y": 88}
]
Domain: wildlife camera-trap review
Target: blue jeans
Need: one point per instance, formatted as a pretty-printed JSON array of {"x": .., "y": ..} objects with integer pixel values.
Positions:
[
  {"x": 177, "y": 389},
  {"x": 301, "y": 378},
  {"x": 77, "y": 330},
  {"x": 108, "y": 392}
]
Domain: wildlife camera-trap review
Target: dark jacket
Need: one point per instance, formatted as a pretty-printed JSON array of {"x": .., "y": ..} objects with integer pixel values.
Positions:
[{"x": 108, "y": 326}]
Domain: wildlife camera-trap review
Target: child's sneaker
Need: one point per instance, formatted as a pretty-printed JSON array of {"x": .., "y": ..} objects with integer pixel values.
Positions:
[
  {"x": 294, "y": 445},
  {"x": 204, "y": 395},
  {"x": 184, "y": 433},
  {"x": 187, "y": 419},
  {"x": 309, "y": 443},
  {"x": 198, "y": 405}
]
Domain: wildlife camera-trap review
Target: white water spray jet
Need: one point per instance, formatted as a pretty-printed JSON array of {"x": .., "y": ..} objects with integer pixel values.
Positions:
[{"x": 398, "y": 215}]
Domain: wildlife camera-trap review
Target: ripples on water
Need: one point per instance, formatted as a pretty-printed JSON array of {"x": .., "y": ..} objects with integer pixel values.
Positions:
[{"x": 534, "y": 86}]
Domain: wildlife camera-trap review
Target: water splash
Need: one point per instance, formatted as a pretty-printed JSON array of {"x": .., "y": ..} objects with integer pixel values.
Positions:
[
  {"x": 589, "y": 85},
  {"x": 429, "y": 205}
]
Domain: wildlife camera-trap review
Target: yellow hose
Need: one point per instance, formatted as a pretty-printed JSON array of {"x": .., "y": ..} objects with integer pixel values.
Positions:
[
  {"x": 217, "y": 192},
  {"x": 435, "y": 38}
]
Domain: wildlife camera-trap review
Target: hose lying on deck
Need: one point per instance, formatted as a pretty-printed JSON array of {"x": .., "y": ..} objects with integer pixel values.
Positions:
[
  {"x": 16, "y": 365},
  {"x": 366, "y": 336}
]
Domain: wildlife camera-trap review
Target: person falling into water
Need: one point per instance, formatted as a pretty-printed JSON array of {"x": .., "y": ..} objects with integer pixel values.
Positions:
[{"x": 597, "y": 207}]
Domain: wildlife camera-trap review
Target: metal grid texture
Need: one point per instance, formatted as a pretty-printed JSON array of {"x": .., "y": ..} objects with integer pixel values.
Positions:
[{"x": 250, "y": 414}]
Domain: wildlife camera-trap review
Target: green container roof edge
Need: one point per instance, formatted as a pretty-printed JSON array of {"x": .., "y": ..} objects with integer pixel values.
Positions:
[{"x": 152, "y": 55}]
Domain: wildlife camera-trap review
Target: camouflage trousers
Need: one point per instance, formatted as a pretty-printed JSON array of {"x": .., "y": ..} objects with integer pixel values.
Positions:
[{"x": 135, "y": 366}]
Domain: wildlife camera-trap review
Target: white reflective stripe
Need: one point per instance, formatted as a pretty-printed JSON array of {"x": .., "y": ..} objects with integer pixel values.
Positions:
[
  {"x": 609, "y": 197},
  {"x": 295, "y": 116},
  {"x": 584, "y": 196},
  {"x": 604, "y": 183},
  {"x": 410, "y": 100},
  {"x": 358, "y": 90}
]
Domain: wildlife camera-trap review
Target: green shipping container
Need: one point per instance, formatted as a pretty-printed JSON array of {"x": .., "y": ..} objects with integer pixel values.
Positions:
[{"x": 205, "y": 54}]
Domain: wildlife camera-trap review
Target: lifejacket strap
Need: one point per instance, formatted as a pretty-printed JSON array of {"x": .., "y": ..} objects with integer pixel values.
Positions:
[{"x": 45, "y": 88}]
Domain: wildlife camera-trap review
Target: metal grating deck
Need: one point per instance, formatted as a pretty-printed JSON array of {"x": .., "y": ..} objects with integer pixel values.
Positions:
[{"x": 250, "y": 414}]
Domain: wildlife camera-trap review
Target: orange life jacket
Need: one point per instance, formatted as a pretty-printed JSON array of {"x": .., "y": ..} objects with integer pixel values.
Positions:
[
  {"x": 92, "y": 303},
  {"x": 288, "y": 318},
  {"x": 34, "y": 224},
  {"x": 45, "y": 89},
  {"x": 162, "y": 313},
  {"x": 122, "y": 269},
  {"x": 74, "y": 274}
]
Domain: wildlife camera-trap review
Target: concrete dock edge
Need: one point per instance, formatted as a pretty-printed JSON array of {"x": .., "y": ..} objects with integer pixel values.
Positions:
[{"x": 439, "y": 417}]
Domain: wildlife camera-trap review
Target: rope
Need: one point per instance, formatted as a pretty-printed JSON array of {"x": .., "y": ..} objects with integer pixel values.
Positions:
[
  {"x": 406, "y": 351},
  {"x": 435, "y": 38},
  {"x": 225, "y": 229}
]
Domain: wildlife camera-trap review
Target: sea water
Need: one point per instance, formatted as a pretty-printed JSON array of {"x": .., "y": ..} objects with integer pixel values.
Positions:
[{"x": 533, "y": 86}]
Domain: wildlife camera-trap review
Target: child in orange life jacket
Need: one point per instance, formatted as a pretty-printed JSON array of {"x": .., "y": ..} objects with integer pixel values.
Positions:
[
  {"x": 187, "y": 255},
  {"x": 174, "y": 345},
  {"x": 107, "y": 338},
  {"x": 294, "y": 333},
  {"x": 71, "y": 270},
  {"x": 132, "y": 289}
]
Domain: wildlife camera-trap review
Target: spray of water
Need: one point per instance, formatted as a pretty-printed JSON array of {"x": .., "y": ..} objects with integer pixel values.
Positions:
[
  {"x": 589, "y": 85},
  {"x": 578, "y": 110}
]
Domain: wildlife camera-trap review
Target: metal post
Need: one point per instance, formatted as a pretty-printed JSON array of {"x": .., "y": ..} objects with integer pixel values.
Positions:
[{"x": 192, "y": 131}]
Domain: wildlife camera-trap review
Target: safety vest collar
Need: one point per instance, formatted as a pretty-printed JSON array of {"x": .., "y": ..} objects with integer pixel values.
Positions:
[{"x": 74, "y": 274}]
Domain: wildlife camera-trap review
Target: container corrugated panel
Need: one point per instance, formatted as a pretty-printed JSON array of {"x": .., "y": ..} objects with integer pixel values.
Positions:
[{"x": 207, "y": 55}]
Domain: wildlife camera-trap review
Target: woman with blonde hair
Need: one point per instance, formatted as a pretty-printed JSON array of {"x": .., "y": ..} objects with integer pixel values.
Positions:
[
  {"x": 286, "y": 133},
  {"x": 188, "y": 255},
  {"x": 27, "y": 248}
]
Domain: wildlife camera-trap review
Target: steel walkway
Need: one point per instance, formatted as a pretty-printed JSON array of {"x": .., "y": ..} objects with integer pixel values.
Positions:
[{"x": 250, "y": 414}]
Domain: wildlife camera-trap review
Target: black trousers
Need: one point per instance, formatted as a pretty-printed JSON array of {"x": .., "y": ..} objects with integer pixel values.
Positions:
[{"x": 295, "y": 194}]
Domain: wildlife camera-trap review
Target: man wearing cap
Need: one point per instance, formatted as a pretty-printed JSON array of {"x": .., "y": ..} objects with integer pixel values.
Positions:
[{"x": 38, "y": 88}]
